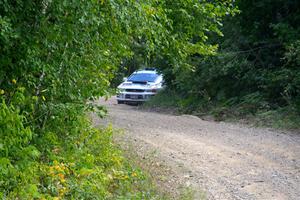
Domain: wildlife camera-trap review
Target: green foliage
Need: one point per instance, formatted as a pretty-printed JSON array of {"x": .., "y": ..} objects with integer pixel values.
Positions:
[
  {"x": 72, "y": 161},
  {"x": 18, "y": 155},
  {"x": 256, "y": 69},
  {"x": 164, "y": 99},
  {"x": 56, "y": 57},
  {"x": 177, "y": 30}
]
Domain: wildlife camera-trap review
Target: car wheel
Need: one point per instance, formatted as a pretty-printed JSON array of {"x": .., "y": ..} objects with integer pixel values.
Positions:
[
  {"x": 139, "y": 103},
  {"x": 120, "y": 102}
]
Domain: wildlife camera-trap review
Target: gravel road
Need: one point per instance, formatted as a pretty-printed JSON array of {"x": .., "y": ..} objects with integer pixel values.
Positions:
[{"x": 227, "y": 161}]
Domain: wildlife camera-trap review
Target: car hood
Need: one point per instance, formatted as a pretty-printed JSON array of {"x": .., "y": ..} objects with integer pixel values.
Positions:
[{"x": 137, "y": 85}]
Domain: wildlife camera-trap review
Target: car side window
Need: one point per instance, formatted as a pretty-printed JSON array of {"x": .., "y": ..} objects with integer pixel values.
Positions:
[{"x": 159, "y": 79}]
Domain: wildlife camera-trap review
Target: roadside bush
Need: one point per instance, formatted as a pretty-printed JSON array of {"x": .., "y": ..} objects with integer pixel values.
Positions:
[
  {"x": 17, "y": 155},
  {"x": 67, "y": 159},
  {"x": 55, "y": 56}
]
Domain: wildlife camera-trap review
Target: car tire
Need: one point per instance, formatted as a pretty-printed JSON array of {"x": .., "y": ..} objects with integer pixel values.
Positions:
[{"x": 120, "y": 102}]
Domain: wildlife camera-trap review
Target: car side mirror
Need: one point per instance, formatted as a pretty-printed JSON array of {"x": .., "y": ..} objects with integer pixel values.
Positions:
[{"x": 124, "y": 79}]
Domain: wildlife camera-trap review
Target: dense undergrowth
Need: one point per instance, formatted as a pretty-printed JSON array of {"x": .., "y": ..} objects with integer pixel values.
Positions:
[
  {"x": 246, "y": 112},
  {"x": 66, "y": 159}
]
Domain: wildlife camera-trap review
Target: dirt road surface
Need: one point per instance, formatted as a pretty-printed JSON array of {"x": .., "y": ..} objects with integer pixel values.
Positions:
[{"x": 222, "y": 160}]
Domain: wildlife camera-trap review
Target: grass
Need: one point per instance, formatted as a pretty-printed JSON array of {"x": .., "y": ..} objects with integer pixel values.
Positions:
[
  {"x": 287, "y": 118},
  {"x": 168, "y": 100}
]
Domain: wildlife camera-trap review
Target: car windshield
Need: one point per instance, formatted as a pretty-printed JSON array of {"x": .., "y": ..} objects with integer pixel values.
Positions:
[{"x": 143, "y": 77}]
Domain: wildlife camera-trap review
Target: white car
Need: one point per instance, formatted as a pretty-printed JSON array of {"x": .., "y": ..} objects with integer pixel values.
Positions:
[{"x": 140, "y": 86}]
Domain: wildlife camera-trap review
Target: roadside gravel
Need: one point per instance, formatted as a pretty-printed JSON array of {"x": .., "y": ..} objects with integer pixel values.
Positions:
[{"x": 222, "y": 160}]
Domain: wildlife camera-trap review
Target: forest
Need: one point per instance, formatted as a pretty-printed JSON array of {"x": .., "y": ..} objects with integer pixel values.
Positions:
[
  {"x": 56, "y": 57},
  {"x": 254, "y": 73}
]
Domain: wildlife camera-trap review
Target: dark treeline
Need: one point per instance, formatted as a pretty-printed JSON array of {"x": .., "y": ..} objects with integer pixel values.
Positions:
[
  {"x": 258, "y": 62},
  {"x": 257, "y": 66}
]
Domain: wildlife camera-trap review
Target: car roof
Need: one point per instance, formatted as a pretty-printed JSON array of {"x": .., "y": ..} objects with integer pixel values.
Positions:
[{"x": 145, "y": 71}]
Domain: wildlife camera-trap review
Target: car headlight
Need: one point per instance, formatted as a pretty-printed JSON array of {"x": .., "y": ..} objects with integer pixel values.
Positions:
[
  {"x": 153, "y": 90},
  {"x": 119, "y": 90}
]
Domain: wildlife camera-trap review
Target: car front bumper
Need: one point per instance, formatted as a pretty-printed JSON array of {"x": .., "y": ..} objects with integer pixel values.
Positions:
[{"x": 134, "y": 96}]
